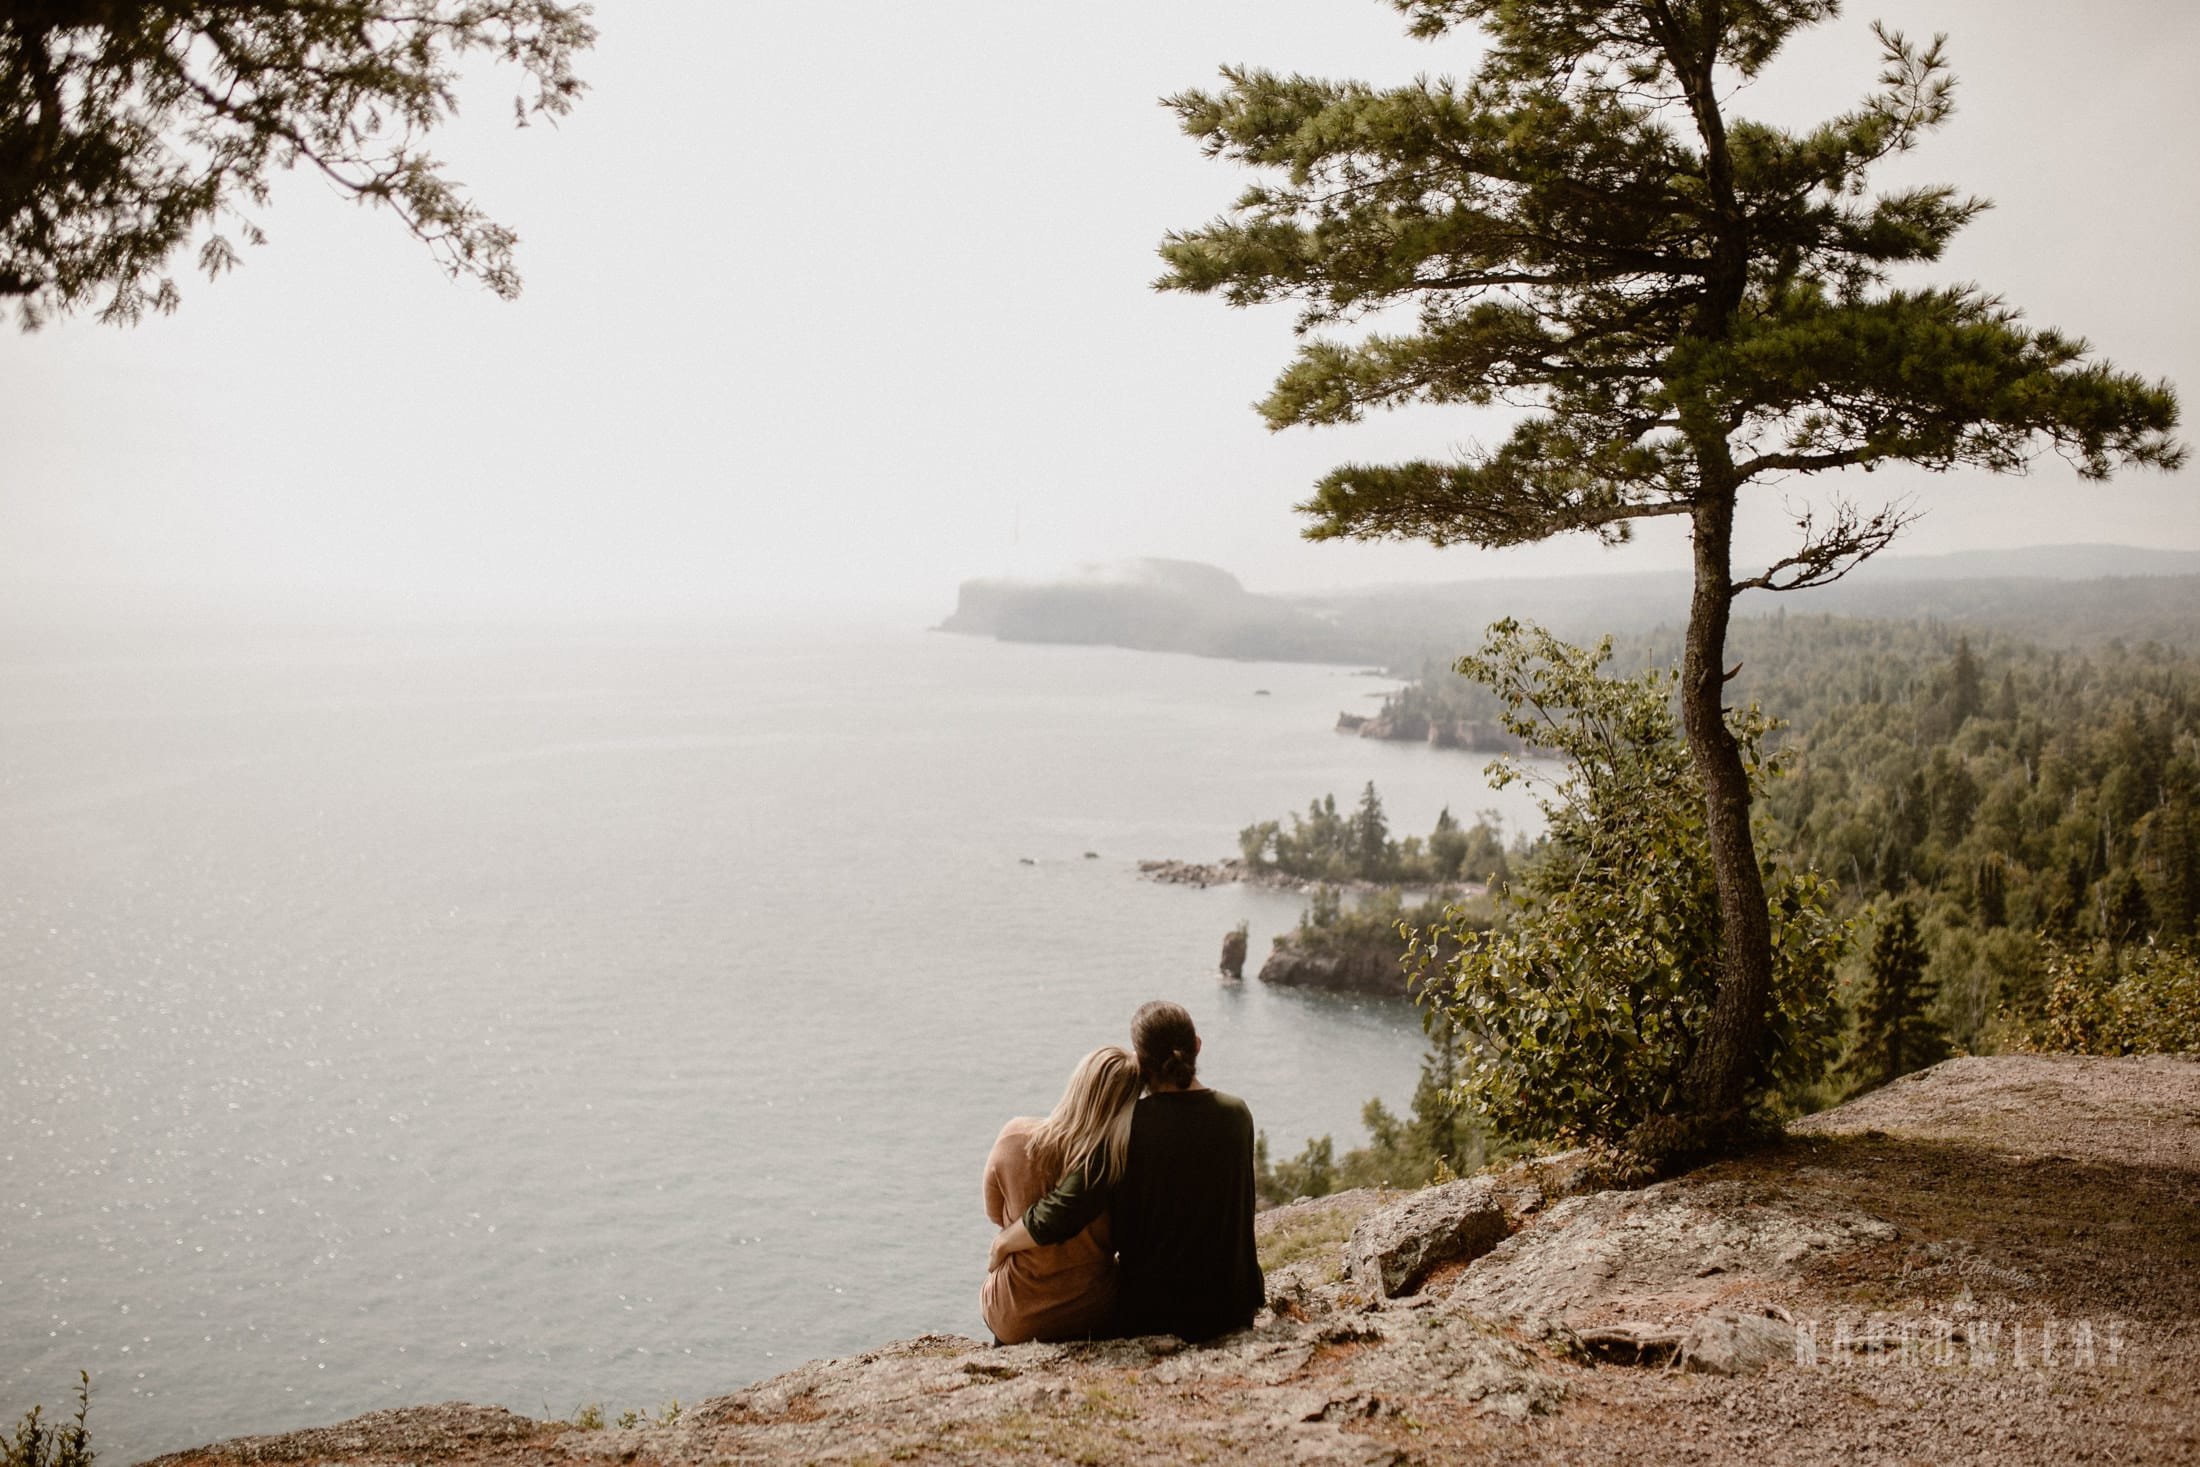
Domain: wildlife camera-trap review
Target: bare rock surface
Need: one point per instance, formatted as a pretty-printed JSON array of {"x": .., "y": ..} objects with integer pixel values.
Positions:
[
  {"x": 1760, "y": 1311},
  {"x": 1371, "y": 968},
  {"x": 1392, "y": 1250},
  {"x": 2134, "y": 1110},
  {"x": 451, "y": 1431},
  {"x": 1727, "y": 1342},
  {"x": 1662, "y": 1254}
]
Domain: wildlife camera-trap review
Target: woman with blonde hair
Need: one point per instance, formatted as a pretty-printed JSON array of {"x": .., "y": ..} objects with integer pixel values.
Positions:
[{"x": 1065, "y": 1291}]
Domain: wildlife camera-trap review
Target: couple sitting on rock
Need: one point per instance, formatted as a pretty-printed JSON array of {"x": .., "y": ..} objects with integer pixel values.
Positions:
[{"x": 1121, "y": 1215}]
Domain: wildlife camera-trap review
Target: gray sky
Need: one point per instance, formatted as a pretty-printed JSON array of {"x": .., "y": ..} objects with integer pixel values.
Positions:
[{"x": 843, "y": 303}]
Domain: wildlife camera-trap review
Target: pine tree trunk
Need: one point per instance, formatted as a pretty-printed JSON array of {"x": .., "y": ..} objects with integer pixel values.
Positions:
[{"x": 1728, "y": 1053}]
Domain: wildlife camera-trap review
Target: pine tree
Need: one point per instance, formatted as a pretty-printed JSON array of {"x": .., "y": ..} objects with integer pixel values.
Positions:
[
  {"x": 1686, "y": 302},
  {"x": 1895, "y": 1032},
  {"x": 1441, "y": 1131},
  {"x": 1371, "y": 835},
  {"x": 1966, "y": 686},
  {"x": 2169, "y": 851},
  {"x": 2126, "y": 914},
  {"x": 1990, "y": 889},
  {"x": 1447, "y": 846}
]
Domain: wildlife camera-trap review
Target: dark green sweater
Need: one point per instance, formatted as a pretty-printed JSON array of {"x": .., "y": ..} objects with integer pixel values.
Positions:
[{"x": 1181, "y": 1216}]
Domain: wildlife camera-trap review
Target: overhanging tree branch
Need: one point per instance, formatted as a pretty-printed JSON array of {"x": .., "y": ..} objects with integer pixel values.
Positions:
[
  {"x": 1829, "y": 552},
  {"x": 128, "y": 126}
]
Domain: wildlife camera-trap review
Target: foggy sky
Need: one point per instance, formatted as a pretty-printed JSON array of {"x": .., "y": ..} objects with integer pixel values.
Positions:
[{"x": 841, "y": 304}]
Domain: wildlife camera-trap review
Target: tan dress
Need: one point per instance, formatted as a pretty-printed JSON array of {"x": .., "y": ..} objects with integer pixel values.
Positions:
[{"x": 1064, "y": 1291}]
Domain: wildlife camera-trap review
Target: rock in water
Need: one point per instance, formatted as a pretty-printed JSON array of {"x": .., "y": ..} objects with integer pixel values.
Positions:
[
  {"x": 1233, "y": 953},
  {"x": 1392, "y": 1250}
]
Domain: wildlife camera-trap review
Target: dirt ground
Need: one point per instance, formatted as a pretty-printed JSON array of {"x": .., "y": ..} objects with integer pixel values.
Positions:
[{"x": 2030, "y": 1194}]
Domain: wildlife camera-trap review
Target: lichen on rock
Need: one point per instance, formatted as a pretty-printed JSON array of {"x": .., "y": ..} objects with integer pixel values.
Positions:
[{"x": 1393, "y": 1249}]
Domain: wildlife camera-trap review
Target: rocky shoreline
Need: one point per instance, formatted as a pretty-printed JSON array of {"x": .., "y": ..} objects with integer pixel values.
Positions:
[
  {"x": 1361, "y": 962},
  {"x": 1232, "y": 870},
  {"x": 1475, "y": 735},
  {"x": 1993, "y": 1261}
]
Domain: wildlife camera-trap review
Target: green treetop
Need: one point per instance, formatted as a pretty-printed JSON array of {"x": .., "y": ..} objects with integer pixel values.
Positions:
[
  {"x": 127, "y": 127},
  {"x": 1895, "y": 1030},
  {"x": 1681, "y": 302}
]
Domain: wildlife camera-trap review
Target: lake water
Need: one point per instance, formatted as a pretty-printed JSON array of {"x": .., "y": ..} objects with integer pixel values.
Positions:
[{"x": 553, "y": 1018}]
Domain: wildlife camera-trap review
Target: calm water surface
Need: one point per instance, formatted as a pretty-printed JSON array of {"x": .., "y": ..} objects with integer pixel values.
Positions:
[{"x": 546, "y": 1018}]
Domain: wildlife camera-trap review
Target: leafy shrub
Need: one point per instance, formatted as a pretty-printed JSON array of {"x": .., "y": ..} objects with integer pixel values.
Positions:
[
  {"x": 36, "y": 1444},
  {"x": 1585, "y": 1006},
  {"x": 2110, "y": 1000},
  {"x": 1312, "y": 1173},
  {"x": 1433, "y": 1143}
]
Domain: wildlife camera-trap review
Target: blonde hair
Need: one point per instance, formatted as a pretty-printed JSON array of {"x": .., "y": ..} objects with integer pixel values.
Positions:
[{"x": 1092, "y": 1121}]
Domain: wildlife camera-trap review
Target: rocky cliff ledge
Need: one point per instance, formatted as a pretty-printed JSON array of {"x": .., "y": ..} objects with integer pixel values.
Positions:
[
  {"x": 1370, "y": 968},
  {"x": 1482, "y": 736},
  {"x": 1997, "y": 1260}
]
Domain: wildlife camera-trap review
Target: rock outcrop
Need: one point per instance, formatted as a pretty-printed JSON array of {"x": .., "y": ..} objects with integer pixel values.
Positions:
[
  {"x": 1233, "y": 953},
  {"x": 1481, "y": 735},
  {"x": 1392, "y": 1250},
  {"x": 1664, "y": 1254},
  {"x": 1775, "y": 1298},
  {"x": 1355, "y": 956},
  {"x": 452, "y": 1431},
  {"x": 1351, "y": 968}
]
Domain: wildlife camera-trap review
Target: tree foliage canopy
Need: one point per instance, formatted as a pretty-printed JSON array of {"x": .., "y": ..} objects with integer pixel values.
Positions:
[
  {"x": 1584, "y": 1008},
  {"x": 1895, "y": 1029},
  {"x": 2106, "y": 1000},
  {"x": 1582, "y": 231},
  {"x": 1329, "y": 844},
  {"x": 128, "y": 127}
]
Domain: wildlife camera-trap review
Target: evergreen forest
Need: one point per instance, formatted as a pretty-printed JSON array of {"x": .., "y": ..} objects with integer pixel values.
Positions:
[{"x": 2011, "y": 833}]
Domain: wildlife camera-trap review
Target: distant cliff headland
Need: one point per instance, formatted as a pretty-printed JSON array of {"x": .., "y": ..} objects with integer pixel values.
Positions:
[
  {"x": 2055, "y": 596},
  {"x": 1155, "y": 606}
]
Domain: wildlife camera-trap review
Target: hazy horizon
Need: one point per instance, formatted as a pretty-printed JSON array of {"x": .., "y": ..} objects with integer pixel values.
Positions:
[{"x": 838, "y": 309}]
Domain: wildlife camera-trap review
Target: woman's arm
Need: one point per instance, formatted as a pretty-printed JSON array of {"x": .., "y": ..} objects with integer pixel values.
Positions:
[
  {"x": 996, "y": 1197},
  {"x": 1015, "y": 1238}
]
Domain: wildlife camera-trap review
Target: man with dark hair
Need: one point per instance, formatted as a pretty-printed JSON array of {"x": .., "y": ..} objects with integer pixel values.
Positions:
[{"x": 1182, "y": 1212}]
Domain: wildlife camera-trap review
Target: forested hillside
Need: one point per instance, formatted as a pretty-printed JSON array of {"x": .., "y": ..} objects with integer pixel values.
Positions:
[
  {"x": 2013, "y": 831},
  {"x": 2023, "y": 797},
  {"x": 2018, "y": 795}
]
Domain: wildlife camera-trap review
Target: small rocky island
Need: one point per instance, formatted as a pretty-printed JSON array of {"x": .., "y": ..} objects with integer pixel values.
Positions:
[
  {"x": 1358, "y": 879},
  {"x": 1401, "y": 725},
  {"x": 1333, "y": 949},
  {"x": 1994, "y": 1261}
]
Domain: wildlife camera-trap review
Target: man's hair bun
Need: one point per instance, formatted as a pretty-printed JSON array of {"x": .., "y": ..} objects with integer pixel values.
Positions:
[{"x": 1167, "y": 1044}]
